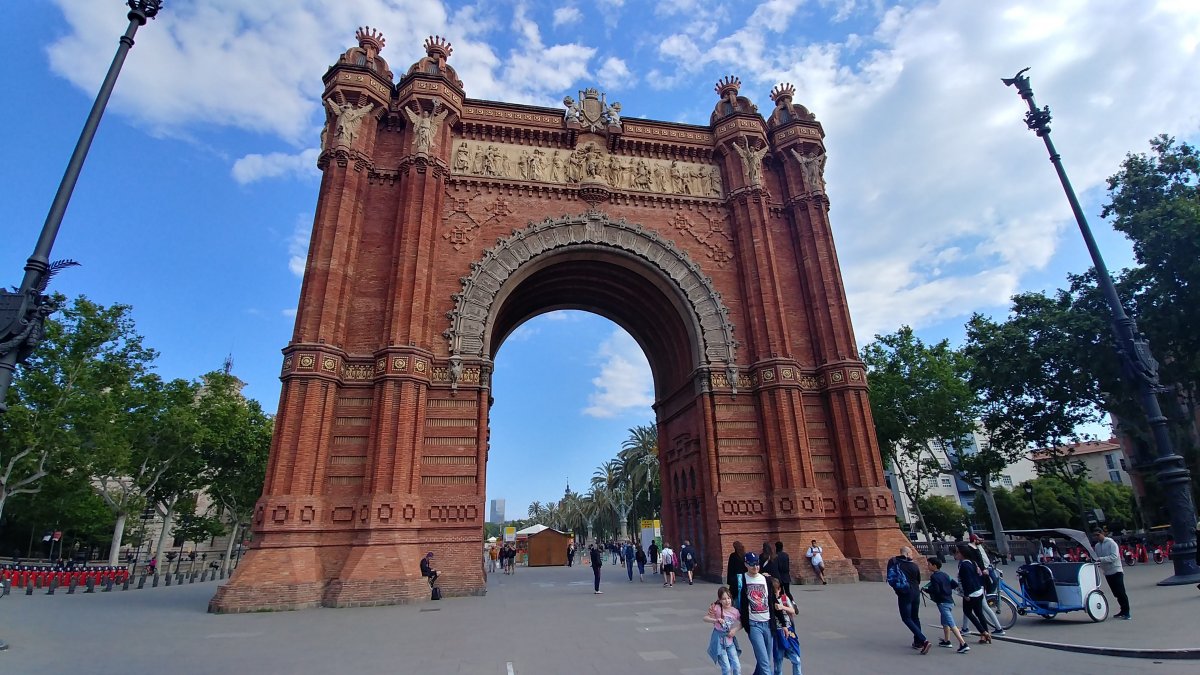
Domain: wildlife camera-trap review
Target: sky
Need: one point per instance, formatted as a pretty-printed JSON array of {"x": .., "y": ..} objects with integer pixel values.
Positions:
[{"x": 196, "y": 203}]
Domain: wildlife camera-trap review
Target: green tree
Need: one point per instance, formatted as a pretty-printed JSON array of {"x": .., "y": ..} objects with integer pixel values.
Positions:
[
  {"x": 59, "y": 392},
  {"x": 234, "y": 443},
  {"x": 943, "y": 515},
  {"x": 918, "y": 395},
  {"x": 1033, "y": 390}
]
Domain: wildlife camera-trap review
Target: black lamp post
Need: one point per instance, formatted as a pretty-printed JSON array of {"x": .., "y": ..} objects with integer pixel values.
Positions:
[
  {"x": 1028, "y": 487},
  {"x": 23, "y": 313},
  {"x": 1137, "y": 364}
]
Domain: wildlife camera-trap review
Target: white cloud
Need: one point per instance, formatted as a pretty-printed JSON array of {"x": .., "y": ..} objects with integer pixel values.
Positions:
[
  {"x": 257, "y": 167},
  {"x": 927, "y": 150},
  {"x": 297, "y": 245},
  {"x": 290, "y": 313},
  {"x": 614, "y": 73},
  {"x": 625, "y": 383},
  {"x": 566, "y": 16}
]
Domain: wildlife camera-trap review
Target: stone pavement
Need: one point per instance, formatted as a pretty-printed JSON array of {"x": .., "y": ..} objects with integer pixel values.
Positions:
[{"x": 545, "y": 621}]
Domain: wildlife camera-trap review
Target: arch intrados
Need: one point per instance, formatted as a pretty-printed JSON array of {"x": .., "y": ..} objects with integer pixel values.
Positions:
[{"x": 611, "y": 283}]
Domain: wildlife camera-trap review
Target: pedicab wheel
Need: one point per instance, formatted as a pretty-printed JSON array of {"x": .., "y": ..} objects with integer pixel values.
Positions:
[
  {"x": 1006, "y": 612},
  {"x": 1097, "y": 606}
]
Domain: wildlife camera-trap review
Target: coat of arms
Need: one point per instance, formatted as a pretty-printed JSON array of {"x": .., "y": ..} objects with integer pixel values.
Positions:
[{"x": 592, "y": 112}]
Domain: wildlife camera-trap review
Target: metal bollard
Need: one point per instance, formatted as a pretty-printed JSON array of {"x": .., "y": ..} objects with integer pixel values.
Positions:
[
  {"x": 91, "y": 584},
  {"x": 155, "y": 584},
  {"x": 222, "y": 572},
  {"x": 141, "y": 582},
  {"x": 53, "y": 586},
  {"x": 108, "y": 585},
  {"x": 192, "y": 578},
  {"x": 28, "y": 589},
  {"x": 169, "y": 575},
  {"x": 71, "y": 586}
]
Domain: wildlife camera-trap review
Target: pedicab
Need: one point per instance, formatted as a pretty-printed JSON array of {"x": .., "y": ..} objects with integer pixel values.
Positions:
[{"x": 1048, "y": 589}]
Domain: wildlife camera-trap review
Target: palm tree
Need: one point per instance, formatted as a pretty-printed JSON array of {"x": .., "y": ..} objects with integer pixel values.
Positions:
[
  {"x": 535, "y": 510},
  {"x": 639, "y": 463}
]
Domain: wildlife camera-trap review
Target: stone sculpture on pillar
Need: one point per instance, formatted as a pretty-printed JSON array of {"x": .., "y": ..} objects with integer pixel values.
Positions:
[
  {"x": 812, "y": 168},
  {"x": 751, "y": 161},
  {"x": 425, "y": 126},
  {"x": 346, "y": 120}
]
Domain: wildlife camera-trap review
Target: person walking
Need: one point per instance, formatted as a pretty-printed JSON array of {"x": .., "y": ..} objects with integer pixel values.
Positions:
[
  {"x": 493, "y": 558},
  {"x": 904, "y": 577},
  {"x": 1109, "y": 557},
  {"x": 687, "y": 560},
  {"x": 734, "y": 571},
  {"x": 653, "y": 557},
  {"x": 668, "y": 565},
  {"x": 816, "y": 558},
  {"x": 941, "y": 592},
  {"x": 783, "y": 568},
  {"x": 726, "y": 620},
  {"x": 971, "y": 583},
  {"x": 597, "y": 561},
  {"x": 641, "y": 563},
  {"x": 759, "y": 613},
  {"x": 978, "y": 555},
  {"x": 787, "y": 644},
  {"x": 767, "y": 558},
  {"x": 571, "y": 553},
  {"x": 629, "y": 560}
]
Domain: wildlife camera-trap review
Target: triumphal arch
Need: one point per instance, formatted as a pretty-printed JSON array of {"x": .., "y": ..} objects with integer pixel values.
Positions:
[{"x": 444, "y": 222}]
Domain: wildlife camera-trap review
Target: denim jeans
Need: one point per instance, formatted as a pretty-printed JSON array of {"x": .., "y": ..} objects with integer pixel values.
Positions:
[
  {"x": 727, "y": 658},
  {"x": 780, "y": 655},
  {"x": 909, "y": 604},
  {"x": 947, "y": 611},
  {"x": 763, "y": 644},
  {"x": 629, "y": 566}
]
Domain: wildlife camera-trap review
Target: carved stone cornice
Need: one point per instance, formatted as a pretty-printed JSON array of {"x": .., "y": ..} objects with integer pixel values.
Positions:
[{"x": 342, "y": 155}]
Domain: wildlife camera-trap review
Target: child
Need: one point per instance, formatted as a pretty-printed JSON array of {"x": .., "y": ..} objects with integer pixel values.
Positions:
[
  {"x": 726, "y": 621},
  {"x": 789, "y": 649},
  {"x": 940, "y": 589}
]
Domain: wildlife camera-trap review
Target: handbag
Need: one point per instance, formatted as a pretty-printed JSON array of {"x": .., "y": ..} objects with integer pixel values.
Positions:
[{"x": 787, "y": 641}]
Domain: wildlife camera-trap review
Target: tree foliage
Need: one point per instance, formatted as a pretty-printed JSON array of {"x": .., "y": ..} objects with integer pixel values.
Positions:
[
  {"x": 943, "y": 515},
  {"x": 918, "y": 395}
]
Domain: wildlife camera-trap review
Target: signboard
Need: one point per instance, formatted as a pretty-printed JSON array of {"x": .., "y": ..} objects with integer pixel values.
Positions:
[
  {"x": 651, "y": 532},
  {"x": 510, "y": 534}
]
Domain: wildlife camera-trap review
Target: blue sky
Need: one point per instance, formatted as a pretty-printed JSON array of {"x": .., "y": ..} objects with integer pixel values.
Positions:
[{"x": 196, "y": 202}]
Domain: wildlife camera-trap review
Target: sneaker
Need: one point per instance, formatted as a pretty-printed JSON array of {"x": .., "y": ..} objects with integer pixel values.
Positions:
[
  {"x": 945, "y": 643},
  {"x": 963, "y": 648},
  {"x": 689, "y": 583},
  {"x": 998, "y": 632},
  {"x": 599, "y": 592},
  {"x": 1124, "y": 616},
  {"x": 926, "y": 647}
]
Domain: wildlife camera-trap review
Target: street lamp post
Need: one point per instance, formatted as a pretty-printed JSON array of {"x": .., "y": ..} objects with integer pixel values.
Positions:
[
  {"x": 1033, "y": 504},
  {"x": 1137, "y": 365},
  {"x": 23, "y": 313}
]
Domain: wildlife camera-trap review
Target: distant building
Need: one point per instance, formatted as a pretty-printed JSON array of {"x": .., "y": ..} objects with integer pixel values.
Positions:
[
  {"x": 948, "y": 483},
  {"x": 1105, "y": 461},
  {"x": 496, "y": 512}
]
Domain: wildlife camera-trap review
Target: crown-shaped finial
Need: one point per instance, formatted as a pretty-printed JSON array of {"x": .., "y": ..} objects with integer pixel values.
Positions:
[
  {"x": 783, "y": 91},
  {"x": 439, "y": 46},
  {"x": 369, "y": 37},
  {"x": 728, "y": 85}
]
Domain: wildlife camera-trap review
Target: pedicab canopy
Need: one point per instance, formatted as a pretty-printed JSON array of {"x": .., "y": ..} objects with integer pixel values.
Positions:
[{"x": 1077, "y": 536}]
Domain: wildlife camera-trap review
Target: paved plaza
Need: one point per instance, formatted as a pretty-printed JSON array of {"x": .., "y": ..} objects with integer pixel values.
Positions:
[{"x": 546, "y": 621}]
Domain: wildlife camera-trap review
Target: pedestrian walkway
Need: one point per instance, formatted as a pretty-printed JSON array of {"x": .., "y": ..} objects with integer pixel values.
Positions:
[{"x": 543, "y": 621}]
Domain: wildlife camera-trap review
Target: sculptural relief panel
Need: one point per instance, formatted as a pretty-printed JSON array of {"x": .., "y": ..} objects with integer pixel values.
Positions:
[{"x": 587, "y": 163}]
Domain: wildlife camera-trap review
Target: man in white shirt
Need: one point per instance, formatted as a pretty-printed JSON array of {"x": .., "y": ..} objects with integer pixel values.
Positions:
[
  {"x": 818, "y": 562},
  {"x": 758, "y": 610},
  {"x": 1109, "y": 557}
]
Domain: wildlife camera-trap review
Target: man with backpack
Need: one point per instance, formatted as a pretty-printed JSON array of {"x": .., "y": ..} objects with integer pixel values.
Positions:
[
  {"x": 904, "y": 577},
  {"x": 687, "y": 560}
]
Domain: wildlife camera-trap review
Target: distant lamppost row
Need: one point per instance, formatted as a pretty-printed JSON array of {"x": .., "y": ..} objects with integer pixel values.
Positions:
[
  {"x": 1137, "y": 365},
  {"x": 23, "y": 313}
]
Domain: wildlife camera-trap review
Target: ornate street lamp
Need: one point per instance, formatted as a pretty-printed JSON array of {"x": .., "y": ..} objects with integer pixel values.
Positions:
[
  {"x": 1137, "y": 365},
  {"x": 23, "y": 313},
  {"x": 1028, "y": 487}
]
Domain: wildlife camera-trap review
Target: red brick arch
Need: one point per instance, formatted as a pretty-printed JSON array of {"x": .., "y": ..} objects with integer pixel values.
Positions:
[{"x": 439, "y": 229}]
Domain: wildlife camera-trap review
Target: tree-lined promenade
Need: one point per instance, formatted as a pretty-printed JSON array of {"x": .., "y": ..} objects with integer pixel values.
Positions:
[
  {"x": 93, "y": 436},
  {"x": 1032, "y": 379}
]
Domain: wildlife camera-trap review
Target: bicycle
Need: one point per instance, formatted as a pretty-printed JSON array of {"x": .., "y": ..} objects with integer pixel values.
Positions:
[{"x": 1003, "y": 601}]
